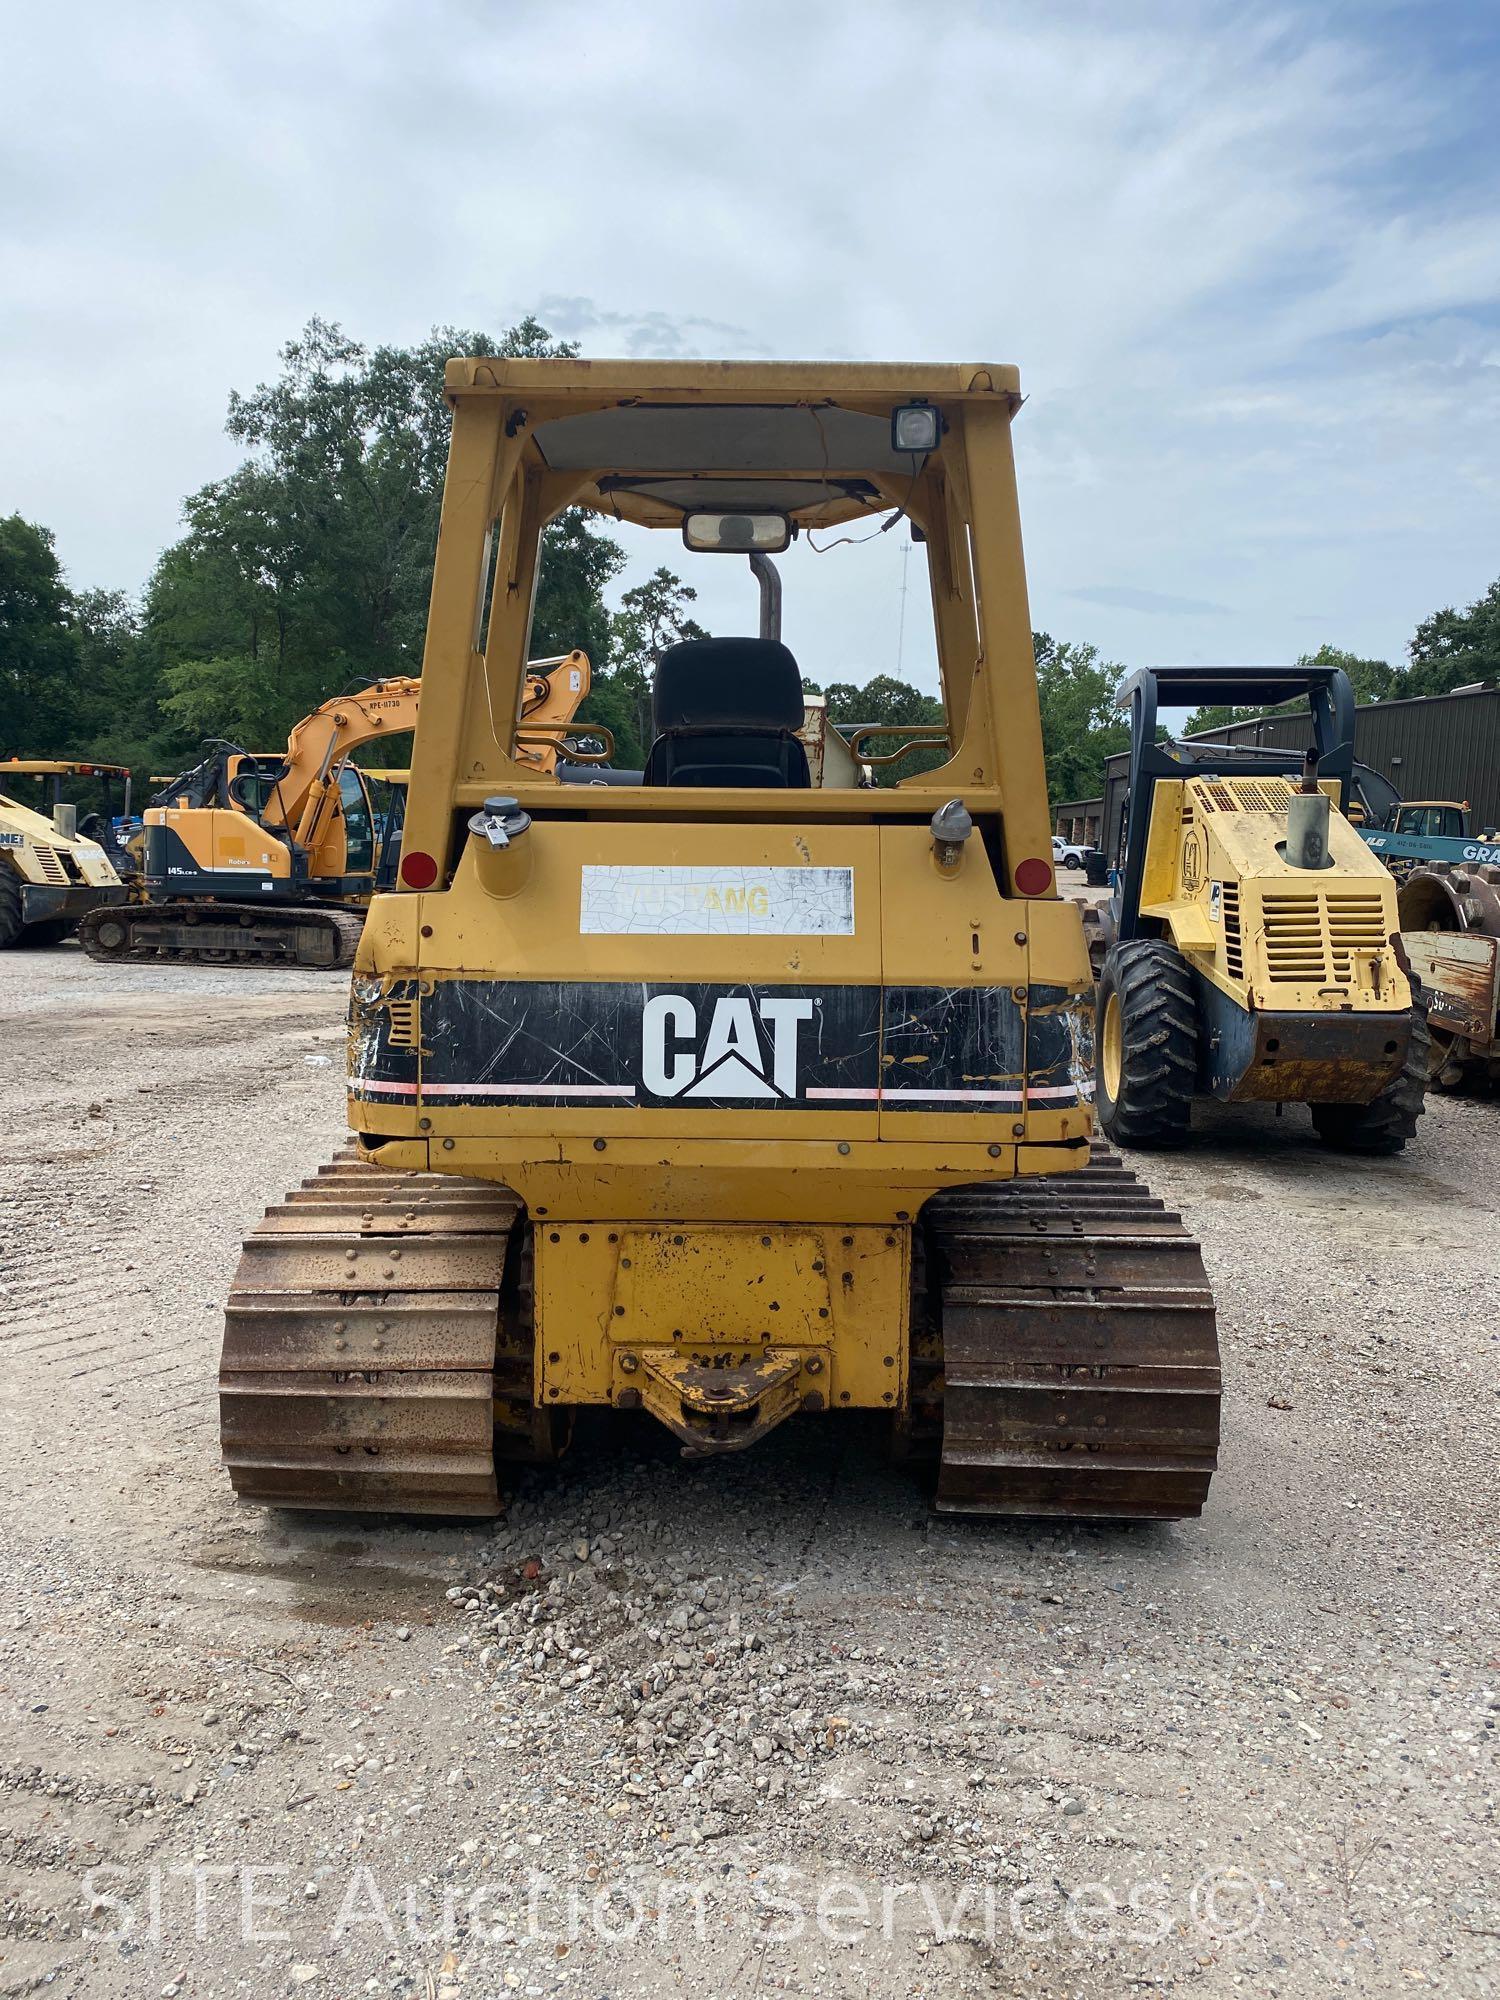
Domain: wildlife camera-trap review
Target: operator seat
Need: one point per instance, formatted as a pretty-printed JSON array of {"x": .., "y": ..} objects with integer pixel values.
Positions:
[{"x": 726, "y": 713}]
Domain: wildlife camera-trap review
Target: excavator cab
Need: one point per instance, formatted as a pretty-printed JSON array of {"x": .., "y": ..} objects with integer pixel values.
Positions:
[
  {"x": 715, "y": 1092},
  {"x": 270, "y": 858}
]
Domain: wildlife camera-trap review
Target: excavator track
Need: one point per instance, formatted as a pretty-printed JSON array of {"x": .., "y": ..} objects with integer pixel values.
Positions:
[
  {"x": 188, "y": 933},
  {"x": 377, "y": 1346},
  {"x": 1065, "y": 1349}
]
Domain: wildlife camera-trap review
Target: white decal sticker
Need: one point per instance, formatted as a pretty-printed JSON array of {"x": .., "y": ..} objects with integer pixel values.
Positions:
[
  {"x": 1215, "y": 901},
  {"x": 731, "y": 901}
]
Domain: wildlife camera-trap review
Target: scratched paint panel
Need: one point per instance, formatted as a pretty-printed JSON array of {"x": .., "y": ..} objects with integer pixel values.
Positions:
[
  {"x": 959, "y": 1048},
  {"x": 605, "y": 1042},
  {"x": 378, "y": 1070},
  {"x": 522, "y": 1042},
  {"x": 1059, "y": 1048}
]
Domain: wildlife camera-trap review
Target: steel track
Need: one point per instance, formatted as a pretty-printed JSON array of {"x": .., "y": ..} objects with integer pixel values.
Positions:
[
  {"x": 187, "y": 933},
  {"x": 378, "y": 1348},
  {"x": 1067, "y": 1348},
  {"x": 372, "y": 1324}
]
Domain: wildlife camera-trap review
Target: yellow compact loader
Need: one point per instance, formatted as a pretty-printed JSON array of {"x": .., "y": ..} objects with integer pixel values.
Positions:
[
  {"x": 718, "y": 1092},
  {"x": 51, "y": 872},
  {"x": 1253, "y": 951}
]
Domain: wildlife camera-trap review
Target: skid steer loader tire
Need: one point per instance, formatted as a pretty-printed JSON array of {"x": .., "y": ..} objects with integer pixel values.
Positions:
[
  {"x": 1145, "y": 1045},
  {"x": 10, "y": 908},
  {"x": 53, "y": 931},
  {"x": 1386, "y": 1123}
]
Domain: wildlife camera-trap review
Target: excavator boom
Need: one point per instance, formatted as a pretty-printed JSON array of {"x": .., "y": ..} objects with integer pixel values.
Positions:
[
  {"x": 273, "y": 860},
  {"x": 320, "y": 744}
]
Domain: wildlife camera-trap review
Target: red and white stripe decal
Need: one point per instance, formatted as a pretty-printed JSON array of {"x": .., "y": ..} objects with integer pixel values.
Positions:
[
  {"x": 377, "y": 1087},
  {"x": 952, "y": 1096},
  {"x": 1050, "y": 1092},
  {"x": 528, "y": 1090}
]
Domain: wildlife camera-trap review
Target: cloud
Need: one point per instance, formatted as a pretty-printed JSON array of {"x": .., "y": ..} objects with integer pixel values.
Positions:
[
  {"x": 1121, "y": 597},
  {"x": 649, "y": 335},
  {"x": 1244, "y": 258}
]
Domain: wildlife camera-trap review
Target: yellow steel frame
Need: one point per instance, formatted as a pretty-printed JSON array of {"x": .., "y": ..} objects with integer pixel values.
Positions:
[
  {"x": 499, "y": 495},
  {"x": 832, "y": 1298}
]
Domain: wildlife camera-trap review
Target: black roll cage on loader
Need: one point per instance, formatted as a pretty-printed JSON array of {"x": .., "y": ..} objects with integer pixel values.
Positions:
[{"x": 1332, "y": 701}]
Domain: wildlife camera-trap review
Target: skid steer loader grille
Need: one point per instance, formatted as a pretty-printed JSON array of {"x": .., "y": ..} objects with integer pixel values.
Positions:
[
  {"x": 1231, "y": 795},
  {"x": 1355, "y": 924},
  {"x": 1295, "y": 947},
  {"x": 1314, "y": 939},
  {"x": 49, "y": 863},
  {"x": 1234, "y": 949}
]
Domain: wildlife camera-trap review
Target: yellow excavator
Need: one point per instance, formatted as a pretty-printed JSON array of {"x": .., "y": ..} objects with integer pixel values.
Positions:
[
  {"x": 53, "y": 869},
  {"x": 271, "y": 860},
  {"x": 733, "y": 1091}
]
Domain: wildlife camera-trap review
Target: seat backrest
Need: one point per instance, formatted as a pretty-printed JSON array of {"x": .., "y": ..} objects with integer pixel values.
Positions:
[
  {"x": 726, "y": 713},
  {"x": 740, "y": 683}
]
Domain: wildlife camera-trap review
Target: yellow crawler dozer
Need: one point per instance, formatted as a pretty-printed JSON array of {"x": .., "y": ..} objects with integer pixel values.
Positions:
[{"x": 736, "y": 1087}]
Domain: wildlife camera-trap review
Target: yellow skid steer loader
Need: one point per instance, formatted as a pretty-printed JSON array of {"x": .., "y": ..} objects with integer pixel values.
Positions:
[{"x": 1253, "y": 952}]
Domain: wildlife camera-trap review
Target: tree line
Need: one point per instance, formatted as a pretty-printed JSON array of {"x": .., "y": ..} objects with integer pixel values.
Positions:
[
  {"x": 306, "y": 571},
  {"x": 303, "y": 573}
]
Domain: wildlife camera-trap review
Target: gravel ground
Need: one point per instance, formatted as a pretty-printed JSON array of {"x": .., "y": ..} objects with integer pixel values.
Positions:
[{"x": 756, "y": 1724}]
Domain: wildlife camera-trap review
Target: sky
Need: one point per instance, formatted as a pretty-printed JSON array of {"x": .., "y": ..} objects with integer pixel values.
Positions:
[{"x": 1247, "y": 259}]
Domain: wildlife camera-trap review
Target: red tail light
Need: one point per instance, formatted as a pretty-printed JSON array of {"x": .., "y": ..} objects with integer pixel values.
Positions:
[
  {"x": 1033, "y": 877},
  {"x": 418, "y": 870}
]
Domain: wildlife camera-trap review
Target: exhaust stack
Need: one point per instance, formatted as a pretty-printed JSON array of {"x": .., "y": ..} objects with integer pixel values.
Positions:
[{"x": 1307, "y": 820}]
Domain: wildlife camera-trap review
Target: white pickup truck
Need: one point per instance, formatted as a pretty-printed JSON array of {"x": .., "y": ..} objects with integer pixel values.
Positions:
[{"x": 1067, "y": 853}]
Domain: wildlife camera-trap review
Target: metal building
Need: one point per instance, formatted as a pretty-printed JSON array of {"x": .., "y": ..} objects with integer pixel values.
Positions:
[
  {"x": 1440, "y": 746},
  {"x": 1079, "y": 820}
]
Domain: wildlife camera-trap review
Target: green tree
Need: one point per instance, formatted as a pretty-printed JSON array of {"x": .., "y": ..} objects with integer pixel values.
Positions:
[
  {"x": 229, "y": 695},
  {"x": 894, "y": 703},
  {"x": 39, "y": 692},
  {"x": 1372, "y": 680},
  {"x": 652, "y": 616},
  {"x": 119, "y": 715},
  {"x": 1081, "y": 726},
  {"x": 309, "y": 568},
  {"x": 1453, "y": 648},
  {"x": 577, "y": 562}
]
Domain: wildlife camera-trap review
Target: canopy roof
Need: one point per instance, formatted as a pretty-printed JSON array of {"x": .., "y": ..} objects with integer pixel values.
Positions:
[
  {"x": 46, "y": 767},
  {"x": 1208, "y": 687},
  {"x": 653, "y": 440}
]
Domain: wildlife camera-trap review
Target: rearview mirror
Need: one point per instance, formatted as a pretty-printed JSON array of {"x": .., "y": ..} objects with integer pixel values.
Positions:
[{"x": 737, "y": 534}]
